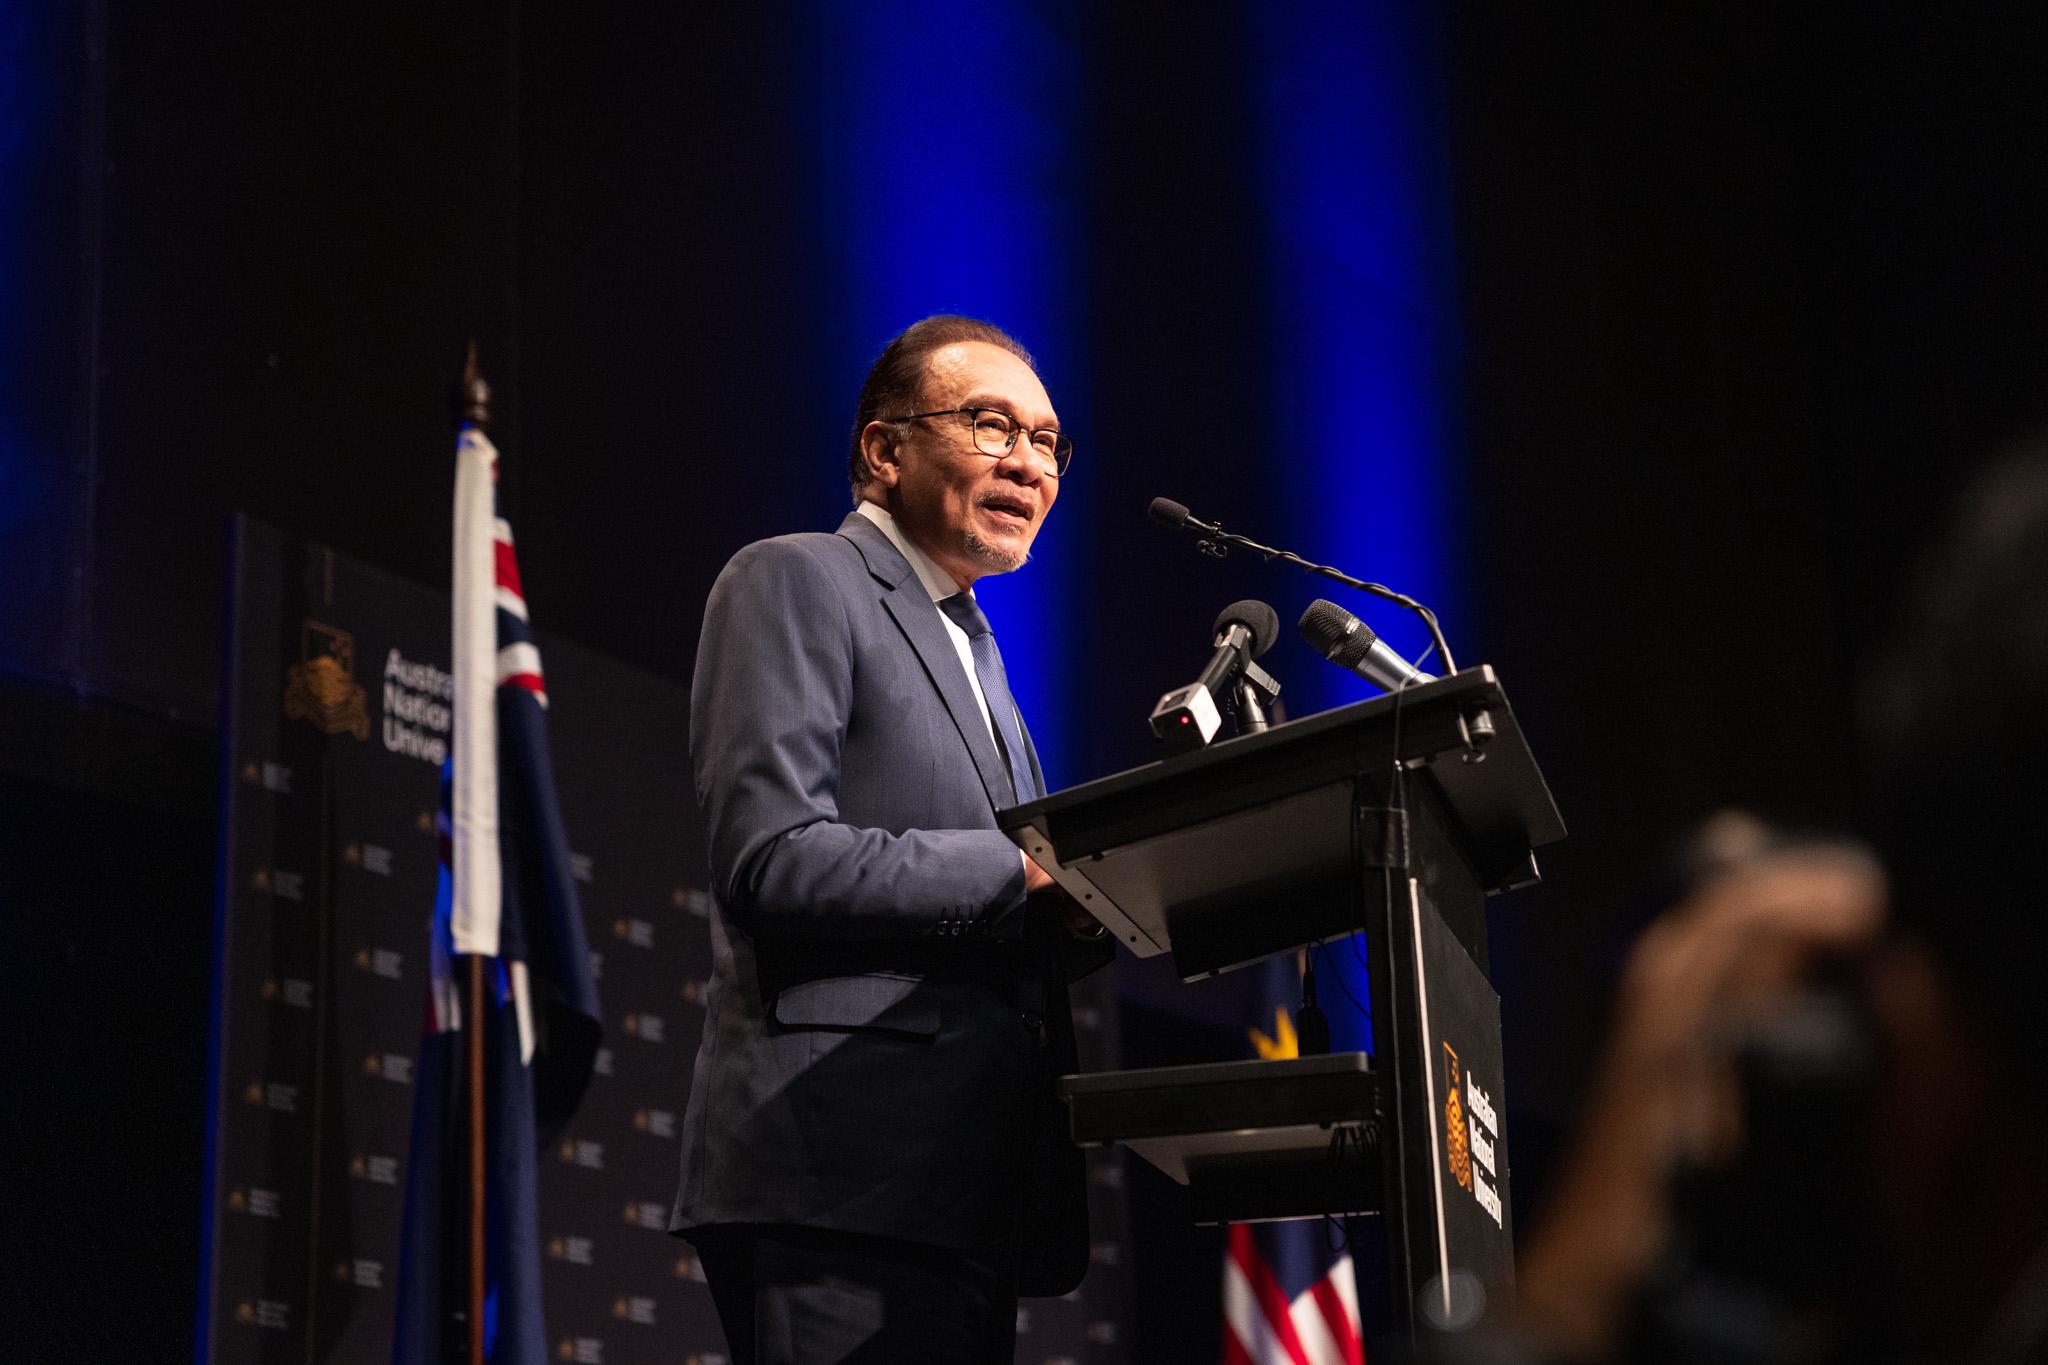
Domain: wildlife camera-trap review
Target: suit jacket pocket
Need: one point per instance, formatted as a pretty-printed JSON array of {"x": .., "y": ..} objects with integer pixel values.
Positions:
[{"x": 871, "y": 1000}]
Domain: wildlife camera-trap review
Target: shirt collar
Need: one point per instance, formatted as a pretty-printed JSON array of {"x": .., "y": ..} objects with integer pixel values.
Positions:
[{"x": 937, "y": 581}]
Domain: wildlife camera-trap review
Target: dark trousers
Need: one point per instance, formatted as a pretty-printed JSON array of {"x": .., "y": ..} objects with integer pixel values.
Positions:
[{"x": 807, "y": 1296}]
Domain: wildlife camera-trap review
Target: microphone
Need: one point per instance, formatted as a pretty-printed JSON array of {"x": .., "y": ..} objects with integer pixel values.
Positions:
[
  {"x": 1188, "y": 718},
  {"x": 1211, "y": 539},
  {"x": 1244, "y": 631},
  {"x": 1348, "y": 642}
]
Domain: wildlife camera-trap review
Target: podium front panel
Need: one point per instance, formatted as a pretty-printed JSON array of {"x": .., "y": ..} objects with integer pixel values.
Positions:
[{"x": 1460, "y": 1217}]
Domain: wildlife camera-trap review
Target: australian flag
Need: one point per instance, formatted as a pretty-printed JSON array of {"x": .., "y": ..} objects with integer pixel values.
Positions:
[
  {"x": 508, "y": 896},
  {"x": 1289, "y": 1295}
]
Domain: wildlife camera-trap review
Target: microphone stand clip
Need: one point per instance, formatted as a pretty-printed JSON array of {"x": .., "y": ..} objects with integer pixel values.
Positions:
[{"x": 1256, "y": 690}]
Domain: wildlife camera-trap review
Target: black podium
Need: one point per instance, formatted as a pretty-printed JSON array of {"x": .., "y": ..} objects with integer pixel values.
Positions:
[{"x": 1397, "y": 817}]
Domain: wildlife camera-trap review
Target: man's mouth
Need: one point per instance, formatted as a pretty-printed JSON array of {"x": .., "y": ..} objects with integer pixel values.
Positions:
[{"x": 1008, "y": 508}]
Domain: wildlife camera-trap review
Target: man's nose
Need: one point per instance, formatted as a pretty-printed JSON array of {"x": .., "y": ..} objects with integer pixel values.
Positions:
[{"x": 1021, "y": 463}]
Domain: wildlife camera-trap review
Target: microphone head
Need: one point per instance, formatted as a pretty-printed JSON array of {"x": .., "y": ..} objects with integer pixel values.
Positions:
[
  {"x": 1167, "y": 512},
  {"x": 1255, "y": 616},
  {"x": 1336, "y": 634}
]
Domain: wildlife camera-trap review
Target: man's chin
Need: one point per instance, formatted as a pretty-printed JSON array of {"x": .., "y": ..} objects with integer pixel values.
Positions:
[{"x": 994, "y": 557}]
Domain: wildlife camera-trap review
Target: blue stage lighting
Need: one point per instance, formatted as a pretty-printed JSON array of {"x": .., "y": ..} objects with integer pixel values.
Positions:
[
  {"x": 1362, "y": 324},
  {"x": 946, "y": 183}
]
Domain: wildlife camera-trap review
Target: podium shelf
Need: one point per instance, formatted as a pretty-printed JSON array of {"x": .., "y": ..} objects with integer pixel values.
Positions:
[{"x": 1252, "y": 1140}]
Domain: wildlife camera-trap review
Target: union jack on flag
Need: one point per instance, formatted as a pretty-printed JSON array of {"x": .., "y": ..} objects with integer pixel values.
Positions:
[
  {"x": 507, "y": 894},
  {"x": 1289, "y": 1298}
]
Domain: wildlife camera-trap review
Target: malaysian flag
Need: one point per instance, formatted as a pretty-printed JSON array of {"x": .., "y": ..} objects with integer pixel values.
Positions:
[
  {"x": 507, "y": 895},
  {"x": 1289, "y": 1297}
]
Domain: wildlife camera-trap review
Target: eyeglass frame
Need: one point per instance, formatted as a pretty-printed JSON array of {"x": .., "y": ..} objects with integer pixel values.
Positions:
[{"x": 1062, "y": 444}]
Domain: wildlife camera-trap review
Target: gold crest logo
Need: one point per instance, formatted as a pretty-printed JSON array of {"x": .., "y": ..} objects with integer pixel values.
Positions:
[
  {"x": 322, "y": 686},
  {"x": 1282, "y": 1044},
  {"x": 1457, "y": 1144}
]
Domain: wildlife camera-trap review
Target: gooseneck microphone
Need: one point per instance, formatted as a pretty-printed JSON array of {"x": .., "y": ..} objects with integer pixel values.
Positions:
[
  {"x": 1188, "y": 717},
  {"x": 1167, "y": 512},
  {"x": 1348, "y": 642},
  {"x": 1213, "y": 539}
]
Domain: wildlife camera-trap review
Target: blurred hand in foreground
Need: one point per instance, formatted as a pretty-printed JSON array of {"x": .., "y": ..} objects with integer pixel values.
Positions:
[{"x": 1703, "y": 979}]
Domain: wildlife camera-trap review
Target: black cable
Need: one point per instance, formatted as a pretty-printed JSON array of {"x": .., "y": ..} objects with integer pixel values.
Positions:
[
  {"x": 1397, "y": 796},
  {"x": 1397, "y": 810}
]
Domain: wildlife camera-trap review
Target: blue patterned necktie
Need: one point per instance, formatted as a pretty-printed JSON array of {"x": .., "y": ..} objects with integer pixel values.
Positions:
[{"x": 966, "y": 613}]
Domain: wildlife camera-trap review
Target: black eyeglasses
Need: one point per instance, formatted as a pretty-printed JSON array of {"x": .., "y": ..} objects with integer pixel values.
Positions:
[{"x": 996, "y": 432}]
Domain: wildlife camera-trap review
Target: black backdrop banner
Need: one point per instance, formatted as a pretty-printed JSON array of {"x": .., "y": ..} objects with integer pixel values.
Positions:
[{"x": 337, "y": 720}]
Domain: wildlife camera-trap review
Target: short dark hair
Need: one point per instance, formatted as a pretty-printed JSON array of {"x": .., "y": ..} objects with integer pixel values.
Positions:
[
  {"x": 895, "y": 382},
  {"x": 1952, "y": 721}
]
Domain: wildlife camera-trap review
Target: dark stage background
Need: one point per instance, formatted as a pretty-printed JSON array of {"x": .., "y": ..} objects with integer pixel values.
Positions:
[{"x": 1701, "y": 316}]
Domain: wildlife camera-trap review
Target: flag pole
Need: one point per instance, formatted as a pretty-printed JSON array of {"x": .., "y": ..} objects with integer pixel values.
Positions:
[
  {"x": 473, "y": 408},
  {"x": 476, "y": 1159}
]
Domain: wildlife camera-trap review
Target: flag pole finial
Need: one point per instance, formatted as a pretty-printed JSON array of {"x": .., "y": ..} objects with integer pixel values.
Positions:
[{"x": 473, "y": 395}]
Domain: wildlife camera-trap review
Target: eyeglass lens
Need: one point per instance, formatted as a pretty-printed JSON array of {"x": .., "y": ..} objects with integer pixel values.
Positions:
[{"x": 995, "y": 433}]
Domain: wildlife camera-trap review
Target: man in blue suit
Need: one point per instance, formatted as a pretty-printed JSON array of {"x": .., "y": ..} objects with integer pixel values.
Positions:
[{"x": 872, "y": 1163}]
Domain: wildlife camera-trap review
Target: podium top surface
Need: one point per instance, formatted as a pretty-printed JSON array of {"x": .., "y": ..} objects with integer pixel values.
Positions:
[{"x": 1497, "y": 798}]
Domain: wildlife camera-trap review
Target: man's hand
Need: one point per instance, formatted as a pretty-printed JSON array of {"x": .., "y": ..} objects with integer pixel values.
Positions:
[{"x": 1079, "y": 923}]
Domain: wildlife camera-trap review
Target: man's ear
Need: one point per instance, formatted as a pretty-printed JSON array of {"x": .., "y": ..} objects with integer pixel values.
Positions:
[{"x": 878, "y": 454}]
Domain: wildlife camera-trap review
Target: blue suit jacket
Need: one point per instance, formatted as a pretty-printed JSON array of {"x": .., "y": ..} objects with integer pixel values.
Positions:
[{"x": 885, "y": 1011}]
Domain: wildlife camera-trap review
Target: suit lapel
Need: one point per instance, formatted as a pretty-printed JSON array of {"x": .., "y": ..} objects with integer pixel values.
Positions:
[{"x": 917, "y": 616}]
